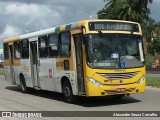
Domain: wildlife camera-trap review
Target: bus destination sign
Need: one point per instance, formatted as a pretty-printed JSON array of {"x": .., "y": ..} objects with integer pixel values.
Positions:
[{"x": 119, "y": 26}]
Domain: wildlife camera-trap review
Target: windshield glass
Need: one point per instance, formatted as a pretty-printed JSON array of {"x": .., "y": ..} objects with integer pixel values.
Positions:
[{"x": 114, "y": 50}]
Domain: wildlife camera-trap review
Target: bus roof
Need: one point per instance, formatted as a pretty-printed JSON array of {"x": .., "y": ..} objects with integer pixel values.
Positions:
[
  {"x": 58, "y": 28},
  {"x": 11, "y": 39}
]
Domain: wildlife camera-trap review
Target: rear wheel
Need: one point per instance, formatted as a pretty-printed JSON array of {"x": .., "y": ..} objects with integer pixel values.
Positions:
[
  {"x": 67, "y": 92},
  {"x": 24, "y": 88}
]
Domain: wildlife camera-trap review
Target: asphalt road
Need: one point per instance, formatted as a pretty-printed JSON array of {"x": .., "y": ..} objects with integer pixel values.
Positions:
[
  {"x": 153, "y": 75},
  {"x": 11, "y": 99}
]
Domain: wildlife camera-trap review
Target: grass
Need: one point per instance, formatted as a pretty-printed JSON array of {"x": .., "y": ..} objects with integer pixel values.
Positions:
[
  {"x": 1, "y": 72},
  {"x": 153, "y": 81}
]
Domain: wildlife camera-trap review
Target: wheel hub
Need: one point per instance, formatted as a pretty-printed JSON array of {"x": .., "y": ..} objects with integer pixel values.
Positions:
[{"x": 67, "y": 91}]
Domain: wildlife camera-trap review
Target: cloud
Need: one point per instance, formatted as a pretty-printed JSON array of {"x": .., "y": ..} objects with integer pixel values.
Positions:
[
  {"x": 32, "y": 16},
  {"x": 27, "y": 10},
  {"x": 10, "y": 31},
  {"x": 154, "y": 9}
]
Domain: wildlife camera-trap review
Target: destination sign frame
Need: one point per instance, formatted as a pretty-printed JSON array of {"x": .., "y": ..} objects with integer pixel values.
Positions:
[{"x": 115, "y": 26}]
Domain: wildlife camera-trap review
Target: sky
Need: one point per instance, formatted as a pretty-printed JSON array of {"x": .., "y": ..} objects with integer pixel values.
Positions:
[{"x": 23, "y": 16}]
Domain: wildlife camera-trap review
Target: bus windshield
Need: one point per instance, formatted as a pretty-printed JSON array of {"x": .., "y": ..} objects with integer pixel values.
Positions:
[{"x": 114, "y": 50}]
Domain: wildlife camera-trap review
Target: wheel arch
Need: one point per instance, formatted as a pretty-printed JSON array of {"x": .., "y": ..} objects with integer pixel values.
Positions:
[
  {"x": 21, "y": 75},
  {"x": 64, "y": 78}
]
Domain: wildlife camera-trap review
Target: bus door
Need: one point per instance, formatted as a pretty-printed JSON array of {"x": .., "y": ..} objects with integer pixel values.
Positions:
[
  {"x": 11, "y": 64},
  {"x": 34, "y": 63},
  {"x": 79, "y": 64}
]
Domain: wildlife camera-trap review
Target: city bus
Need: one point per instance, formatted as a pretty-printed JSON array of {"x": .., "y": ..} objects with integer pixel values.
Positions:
[{"x": 86, "y": 58}]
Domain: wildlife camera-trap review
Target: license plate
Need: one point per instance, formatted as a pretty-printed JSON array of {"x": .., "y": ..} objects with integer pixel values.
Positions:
[{"x": 120, "y": 89}]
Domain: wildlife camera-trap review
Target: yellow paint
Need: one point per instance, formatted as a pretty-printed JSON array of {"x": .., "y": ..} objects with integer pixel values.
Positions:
[
  {"x": 6, "y": 63},
  {"x": 93, "y": 90},
  {"x": 62, "y": 28},
  {"x": 60, "y": 63},
  {"x": 12, "y": 39},
  {"x": 10, "y": 43},
  {"x": 16, "y": 62},
  {"x": 25, "y": 67},
  {"x": 76, "y": 31}
]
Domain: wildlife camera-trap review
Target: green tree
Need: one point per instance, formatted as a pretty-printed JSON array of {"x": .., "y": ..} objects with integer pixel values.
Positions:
[
  {"x": 148, "y": 27},
  {"x": 145, "y": 2},
  {"x": 132, "y": 10},
  {"x": 111, "y": 9},
  {"x": 154, "y": 46}
]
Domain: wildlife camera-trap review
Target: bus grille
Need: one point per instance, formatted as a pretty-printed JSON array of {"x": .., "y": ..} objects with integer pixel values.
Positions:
[{"x": 117, "y": 76}]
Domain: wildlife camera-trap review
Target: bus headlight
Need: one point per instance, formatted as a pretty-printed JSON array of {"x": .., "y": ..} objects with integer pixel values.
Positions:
[
  {"x": 94, "y": 82},
  {"x": 141, "y": 80}
]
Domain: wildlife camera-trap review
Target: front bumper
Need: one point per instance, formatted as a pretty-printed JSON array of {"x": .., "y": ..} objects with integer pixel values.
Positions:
[{"x": 106, "y": 90}]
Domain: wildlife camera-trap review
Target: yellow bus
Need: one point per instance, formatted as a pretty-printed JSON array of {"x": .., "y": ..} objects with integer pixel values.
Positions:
[{"x": 85, "y": 58}]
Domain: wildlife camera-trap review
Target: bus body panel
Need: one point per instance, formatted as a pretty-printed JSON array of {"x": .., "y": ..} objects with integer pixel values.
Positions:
[
  {"x": 17, "y": 71},
  {"x": 26, "y": 72},
  {"x": 7, "y": 74},
  {"x": 93, "y": 90},
  {"x": 47, "y": 74},
  {"x": 69, "y": 74},
  {"x": 109, "y": 87}
]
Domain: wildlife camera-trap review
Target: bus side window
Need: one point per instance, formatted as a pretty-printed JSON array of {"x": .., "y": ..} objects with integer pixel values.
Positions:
[
  {"x": 6, "y": 53},
  {"x": 43, "y": 49},
  {"x": 25, "y": 49},
  {"x": 65, "y": 44},
  {"x": 53, "y": 45},
  {"x": 17, "y": 49}
]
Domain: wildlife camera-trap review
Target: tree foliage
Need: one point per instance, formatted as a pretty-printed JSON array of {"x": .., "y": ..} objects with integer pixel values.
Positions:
[
  {"x": 154, "y": 46},
  {"x": 131, "y": 10}
]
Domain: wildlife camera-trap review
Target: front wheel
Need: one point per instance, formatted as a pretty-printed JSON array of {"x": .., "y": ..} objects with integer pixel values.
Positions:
[{"x": 67, "y": 92}]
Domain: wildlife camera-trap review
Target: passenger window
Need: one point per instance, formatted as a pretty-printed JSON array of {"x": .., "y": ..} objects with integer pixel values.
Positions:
[
  {"x": 17, "y": 50},
  {"x": 65, "y": 44},
  {"x": 6, "y": 54},
  {"x": 25, "y": 49},
  {"x": 43, "y": 47},
  {"x": 53, "y": 45}
]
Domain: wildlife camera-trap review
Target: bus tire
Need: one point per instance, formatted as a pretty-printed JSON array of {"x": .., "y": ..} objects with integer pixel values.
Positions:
[
  {"x": 23, "y": 86},
  {"x": 67, "y": 92}
]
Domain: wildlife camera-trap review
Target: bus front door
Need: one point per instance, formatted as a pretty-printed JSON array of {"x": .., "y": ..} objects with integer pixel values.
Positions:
[
  {"x": 11, "y": 64},
  {"x": 79, "y": 64},
  {"x": 34, "y": 63}
]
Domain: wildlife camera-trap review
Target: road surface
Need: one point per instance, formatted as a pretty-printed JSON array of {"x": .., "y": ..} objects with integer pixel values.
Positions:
[{"x": 11, "y": 99}]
